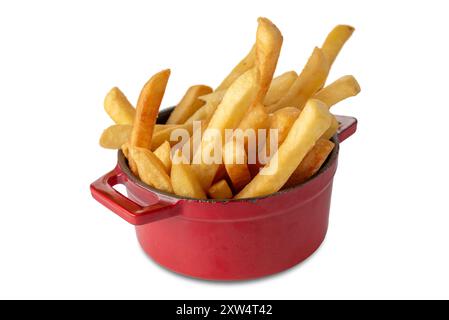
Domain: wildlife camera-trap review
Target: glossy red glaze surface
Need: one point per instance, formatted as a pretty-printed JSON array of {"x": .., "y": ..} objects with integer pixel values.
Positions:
[{"x": 226, "y": 240}]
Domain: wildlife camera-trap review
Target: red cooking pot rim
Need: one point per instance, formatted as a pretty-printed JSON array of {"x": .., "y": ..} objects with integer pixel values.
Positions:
[{"x": 123, "y": 164}]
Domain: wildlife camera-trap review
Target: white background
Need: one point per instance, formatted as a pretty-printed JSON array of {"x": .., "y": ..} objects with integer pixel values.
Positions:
[{"x": 388, "y": 235}]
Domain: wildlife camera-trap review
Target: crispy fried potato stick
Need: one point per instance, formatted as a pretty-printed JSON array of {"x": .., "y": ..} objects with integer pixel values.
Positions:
[
  {"x": 163, "y": 153},
  {"x": 228, "y": 115},
  {"x": 215, "y": 96},
  {"x": 268, "y": 47},
  {"x": 311, "y": 79},
  {"x": 125, "y": 149},
  {"x": 118, "y": 107},
  {"x": 236, "y": 164},
  {"x": 313, "y": 121},
  {"x": 161, "y": 136},
  {"x": 204, "y": 113},
  {"x": 185, "y": 183},
  {"x": 256, "y": 119},
  {"x": 282, "y": 121},
  {"x": 115, "y": 136},
  {"x": 311, "y": 163},
  {"x": 189, "y": 104},
  {"x": 246, "y": 64},
  {"x": 345, "y": 87},
  {"x": 147, "y": 109},
  {"x": 220, "y": 190},
  {"x": 150, "y": 169},
  {"x": 332, "y": 129},
  {"x": 279, "y": 87},
  {"x": 335, "y": 41}
]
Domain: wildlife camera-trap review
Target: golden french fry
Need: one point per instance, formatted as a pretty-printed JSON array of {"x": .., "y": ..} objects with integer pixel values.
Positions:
[
  {"x": 311, "y": 163},
  {"x": 268, "y": 47},
  {"x": 163, "y": 135},
  {"x": 256, "y": 119},
  {"x": 185, "y": 183},
  {"x": 313, "y": 121},
  {"x": 125, "y": 149},
  {"x": 282, "y": 121},
  {"x": 147, "y": 109},
  {"x": 311, "y": 79},
  {"x": 118, "y": 107},
  {"x": 160, "y": 127},
  {"x": 115, "y": 136},
  {"x": 332, "y": 129},
  {"x": 220, "y": 190},
  {"x": 150, "y": 169},
  {"x": 345, "y": 87},
  {"x": 215, "y": 96},
  {"x": 246, "y": 64},
  {"x": 228, "y": 115},
  {"x": 235, "y": 161},
  {"x": 204, "y": 113},
  {"x": 279, "y": 87},
  {"x": 189, "y": 104},
  {"x": 335, "y": 40},
  {"x": 163, "y": 153}
]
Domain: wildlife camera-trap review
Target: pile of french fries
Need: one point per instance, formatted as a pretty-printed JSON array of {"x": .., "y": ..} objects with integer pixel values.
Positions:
[{"x": 249, "y": 98}]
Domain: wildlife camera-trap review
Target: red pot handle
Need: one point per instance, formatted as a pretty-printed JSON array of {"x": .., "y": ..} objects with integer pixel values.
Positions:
[
  {"x": 102, "y": 190},
  {"x": 348, "y": 126}
]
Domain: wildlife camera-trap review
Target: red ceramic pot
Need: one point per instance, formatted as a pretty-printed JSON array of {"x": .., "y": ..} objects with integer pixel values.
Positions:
[{"x": 225, "y": 240}]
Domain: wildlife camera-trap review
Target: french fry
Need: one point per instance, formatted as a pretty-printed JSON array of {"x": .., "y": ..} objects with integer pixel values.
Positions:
[
  {"x": 163, "y": 153},
  {"x": 335, "y": 40},
  {"x": 215, "y": 96},
  {"x": 147, "y": 109},
  {"x": 256, "y": 119},
  {"x": 150, "y": 169},
  {"x": 125, "y": 150},
  {"x": 185, "y": 183},
  {"x": 189, "y": 104},
  {"x": 279, "y": 87},
  {"x": 311, "y": 163},
  {"x": 220, "y": 190},
  {"x": 311, "y": 79},
  {"x": 332, "y": 129},
  {"x": 246, "y": 64},
  {"x": 118, "y": 107},
  {"x": 163, "y": 135},
  {"x": 228, "y": 115},
  {"x": 282, "y": 121},
  {"x": 235, "y": 161},
  {"x": 342, "y": 88},
  {"x": 268, "y": 47},
  {"x": 204, "y": 113},
  {"x": 115, "y": 136},
  {"x": 313, "y": 121}
]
